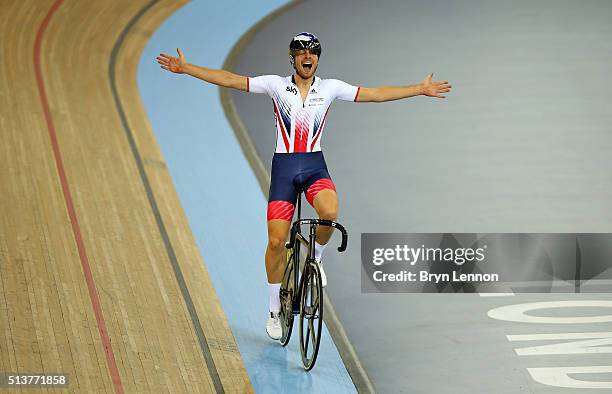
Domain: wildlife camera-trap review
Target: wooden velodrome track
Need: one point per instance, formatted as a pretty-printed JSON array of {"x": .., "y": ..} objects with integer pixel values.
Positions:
[{"x": 100, "y": 277}]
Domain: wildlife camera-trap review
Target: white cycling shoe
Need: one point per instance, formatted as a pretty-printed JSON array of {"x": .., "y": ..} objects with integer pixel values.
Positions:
[
  {"x": 273, "y": 326},
  {"x": 323, "y": 276}
]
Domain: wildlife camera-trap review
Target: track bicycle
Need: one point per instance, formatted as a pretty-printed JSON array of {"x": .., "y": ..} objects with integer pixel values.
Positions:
[{"x": 301, "y": 292}]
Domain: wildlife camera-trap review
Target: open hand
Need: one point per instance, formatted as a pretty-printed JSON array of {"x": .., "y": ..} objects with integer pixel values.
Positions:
[
  {"x": 174, "y": 64},
  {"x": 433, "y": 89}
]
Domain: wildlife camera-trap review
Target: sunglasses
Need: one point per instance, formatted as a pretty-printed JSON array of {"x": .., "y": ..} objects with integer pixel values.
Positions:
[{"x": 297, "y": 52}]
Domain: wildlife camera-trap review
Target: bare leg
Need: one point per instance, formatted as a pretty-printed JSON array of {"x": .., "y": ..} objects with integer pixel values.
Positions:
[
  {"x": 278, "y": 230},
  {"x": 326, "y": 205}
]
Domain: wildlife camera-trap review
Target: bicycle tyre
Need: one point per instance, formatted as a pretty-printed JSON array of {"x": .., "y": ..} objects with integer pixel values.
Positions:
[{"x": 311, "y": 309}]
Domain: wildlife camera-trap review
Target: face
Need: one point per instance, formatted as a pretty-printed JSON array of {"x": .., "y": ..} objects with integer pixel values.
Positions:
[{"x": 306, "y": 63}]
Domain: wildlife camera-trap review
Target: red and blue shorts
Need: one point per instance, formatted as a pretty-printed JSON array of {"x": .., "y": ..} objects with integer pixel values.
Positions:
[{"x": 291, "y": 174}]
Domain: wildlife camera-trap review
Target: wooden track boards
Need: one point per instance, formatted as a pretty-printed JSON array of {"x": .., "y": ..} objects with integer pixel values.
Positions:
[{"x": 47, "y": 322}]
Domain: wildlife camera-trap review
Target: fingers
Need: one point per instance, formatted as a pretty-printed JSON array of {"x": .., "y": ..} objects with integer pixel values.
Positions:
[
  {"x": 163, "y": 62},
  {"x": 163, "y": 56},
  {"x": 168, "y": 62},
  {"x": 442, "y": 87},
  {"x": 438, "y": 89}
]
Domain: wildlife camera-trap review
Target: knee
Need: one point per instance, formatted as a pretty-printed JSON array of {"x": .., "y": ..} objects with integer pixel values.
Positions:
[
  {"x": 276, "y": 244},
  {"x": 329, "y": 212}
]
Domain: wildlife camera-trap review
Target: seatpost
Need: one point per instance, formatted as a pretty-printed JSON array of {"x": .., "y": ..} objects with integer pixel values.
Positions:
[{"x": 299, "y": 210}]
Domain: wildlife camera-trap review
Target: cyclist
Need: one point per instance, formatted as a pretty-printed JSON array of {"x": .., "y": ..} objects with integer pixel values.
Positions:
[{"x": 301, "y": 102}]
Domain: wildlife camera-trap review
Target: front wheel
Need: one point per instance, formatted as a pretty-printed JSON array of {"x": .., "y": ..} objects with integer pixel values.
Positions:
[{"x": 311, "y": 315}]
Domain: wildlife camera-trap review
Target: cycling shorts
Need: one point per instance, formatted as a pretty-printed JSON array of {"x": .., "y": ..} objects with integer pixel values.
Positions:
[{"x": 293, "y": 173}]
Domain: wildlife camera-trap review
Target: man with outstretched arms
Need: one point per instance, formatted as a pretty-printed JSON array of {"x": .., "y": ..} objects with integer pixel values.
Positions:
[{"x": 301, "y": 102}]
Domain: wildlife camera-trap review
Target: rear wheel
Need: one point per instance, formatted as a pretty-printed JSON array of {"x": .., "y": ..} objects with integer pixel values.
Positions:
[{"x": 311, "y": 315}]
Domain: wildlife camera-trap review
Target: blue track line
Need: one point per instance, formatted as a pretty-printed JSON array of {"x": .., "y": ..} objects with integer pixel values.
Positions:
[{"x": 219, "y": 192}]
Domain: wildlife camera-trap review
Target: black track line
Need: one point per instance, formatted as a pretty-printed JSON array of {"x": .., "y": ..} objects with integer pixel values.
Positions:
[{"x": 210, "y": 363}]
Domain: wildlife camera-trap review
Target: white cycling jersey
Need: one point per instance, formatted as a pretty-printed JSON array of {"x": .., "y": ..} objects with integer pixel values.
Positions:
[{"x": 299, "y": 124}]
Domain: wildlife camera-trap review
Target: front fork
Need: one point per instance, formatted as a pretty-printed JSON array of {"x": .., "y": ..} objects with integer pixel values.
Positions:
[
  {"x": 305, "y": 270},
  {"x": 298, "y": 270}
]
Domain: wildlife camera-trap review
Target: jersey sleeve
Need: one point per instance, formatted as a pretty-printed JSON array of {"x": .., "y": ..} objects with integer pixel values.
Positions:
[
  {"x": 261, "y": 84},
  {"x": 344, "y": 91}
]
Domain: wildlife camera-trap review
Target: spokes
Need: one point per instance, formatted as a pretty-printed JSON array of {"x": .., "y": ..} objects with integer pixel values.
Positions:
[
  {"x": 312, "y": 331},
  {"x": 311, "y": 312},
  {"x": 306, "y": 341}
]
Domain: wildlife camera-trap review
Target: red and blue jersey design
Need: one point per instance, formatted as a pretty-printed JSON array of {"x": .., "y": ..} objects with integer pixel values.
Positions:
[{"x": 299, "y": 125}]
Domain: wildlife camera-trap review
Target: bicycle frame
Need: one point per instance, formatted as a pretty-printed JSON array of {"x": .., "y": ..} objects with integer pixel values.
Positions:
[{"x": 296, "y": 233}]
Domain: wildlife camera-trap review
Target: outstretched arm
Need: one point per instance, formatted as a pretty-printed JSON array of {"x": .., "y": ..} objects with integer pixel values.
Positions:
[
  {"x": 389, "y": 93},
  {"x": 223, "y": 78}
]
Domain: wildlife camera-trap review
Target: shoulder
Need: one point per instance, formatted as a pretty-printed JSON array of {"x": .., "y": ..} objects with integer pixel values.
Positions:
[
  {"x": 332, "y": 82},
  {"x": 265, "y": 83},
  {"x": 270, "y": 78},
  {"x": 327, "y": 81}
]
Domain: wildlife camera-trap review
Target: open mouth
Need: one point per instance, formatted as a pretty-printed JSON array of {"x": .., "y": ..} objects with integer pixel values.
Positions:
[{"x": 307, "y": 66}]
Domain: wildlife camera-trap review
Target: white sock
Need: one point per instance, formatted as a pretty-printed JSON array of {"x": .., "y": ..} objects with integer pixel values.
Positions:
[
  {"x": 319, "y": 250},
  {"x": 274, "y": 297}
]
